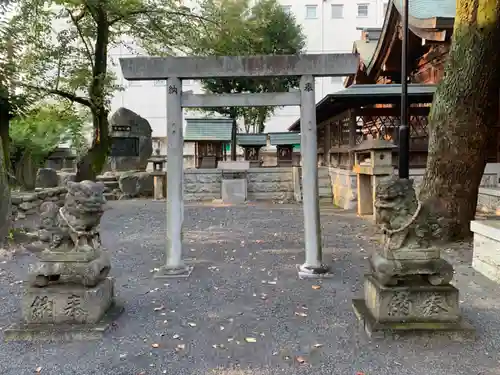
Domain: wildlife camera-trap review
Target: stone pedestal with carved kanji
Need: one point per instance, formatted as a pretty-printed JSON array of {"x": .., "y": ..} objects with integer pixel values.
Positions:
[
  {"x": 67, "y": 304},
  {"x": 408, "y": 288},
  {"x": 70, "y": 295}
]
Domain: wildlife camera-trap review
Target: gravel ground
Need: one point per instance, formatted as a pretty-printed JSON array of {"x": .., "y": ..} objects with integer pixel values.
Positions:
[{"x": 245, "y": 285}]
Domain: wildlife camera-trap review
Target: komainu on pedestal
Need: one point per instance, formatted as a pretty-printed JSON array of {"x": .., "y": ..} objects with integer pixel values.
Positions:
[
  {"x": 69, "y": 294},
  {"x": 408, "y": 287}
]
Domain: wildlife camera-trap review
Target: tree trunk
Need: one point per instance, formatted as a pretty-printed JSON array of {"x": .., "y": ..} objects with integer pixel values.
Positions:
[
  {"x": 464, "y": 113},
  {"x": 5, "y": 203},
  {"x": 92, "y": 163},
  {"x": 4, "y": 129},
  {"x": 234, "y": 131}
]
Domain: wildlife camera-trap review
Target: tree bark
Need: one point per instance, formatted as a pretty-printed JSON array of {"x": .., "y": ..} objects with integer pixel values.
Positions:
[
  {"x": 92, "y": 163},
  {"x": 464, "y": 114},
  {"x": 4, "y": 126},
  {"x": 5, "y": 202}
]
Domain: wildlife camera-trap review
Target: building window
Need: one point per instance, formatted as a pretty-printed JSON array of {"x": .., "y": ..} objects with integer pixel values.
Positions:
[
  {"x": 160, "y": 82},
  {"x": 287, "y": 9},
  {"x": 311, "y": 11},
  {"x": 363, "y": 10},
  {"x": 337, "y": 11},
  {"x": 385, "y": 7},
  {"x": 337, "y": 80},
  {"x": 134, "y": 84}
]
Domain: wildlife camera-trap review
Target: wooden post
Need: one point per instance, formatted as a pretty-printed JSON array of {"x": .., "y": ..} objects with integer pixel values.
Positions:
[
  {"x": 327, "y": 144},
  {"x": 352, "y": 136}
]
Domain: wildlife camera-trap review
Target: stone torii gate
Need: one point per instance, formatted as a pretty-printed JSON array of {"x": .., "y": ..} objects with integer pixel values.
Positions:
[{"x": 174, "y": 69}]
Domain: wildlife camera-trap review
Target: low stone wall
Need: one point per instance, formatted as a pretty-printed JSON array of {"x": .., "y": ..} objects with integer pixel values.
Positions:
[
  {"x": 202, "y": 184},
  {"x": 344, "y": 187},
  {"x": 262, "y": 184},
  {"x": 25, "y": 204},
  {"x": 324, "y": 185},
  {"x": 270, "y": 184}
]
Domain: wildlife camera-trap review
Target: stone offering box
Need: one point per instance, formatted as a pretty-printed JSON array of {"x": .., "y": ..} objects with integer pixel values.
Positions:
[
  {"x": 372, "y": 161},
  {"x": 234, "y": 181},
  {"x": 486, "y": 256}
]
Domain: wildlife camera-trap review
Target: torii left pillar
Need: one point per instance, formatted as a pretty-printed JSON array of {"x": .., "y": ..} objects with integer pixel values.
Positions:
[{"x": 174, "y": 265}]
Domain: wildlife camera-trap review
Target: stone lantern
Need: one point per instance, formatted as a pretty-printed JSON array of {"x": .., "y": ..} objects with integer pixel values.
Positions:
[{"x": 373, "y": 161}]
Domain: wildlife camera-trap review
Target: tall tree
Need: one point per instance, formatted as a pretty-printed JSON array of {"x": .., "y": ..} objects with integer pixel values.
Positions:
[
  {"x": 65, "y": 52},
  {"x": 464, "y": 114},
  {"x": 245, "y": 29}
]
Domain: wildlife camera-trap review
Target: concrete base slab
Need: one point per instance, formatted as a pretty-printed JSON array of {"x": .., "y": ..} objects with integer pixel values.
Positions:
[
  {"x": 64, "y": 332},
  {"x": 305, "y": 273},
  {"x": 172, "y": 273},
  {"x": 456, "y": 331}
]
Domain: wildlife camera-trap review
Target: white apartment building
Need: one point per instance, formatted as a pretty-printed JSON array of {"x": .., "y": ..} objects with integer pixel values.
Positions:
[{"x": 329, "y": 25}]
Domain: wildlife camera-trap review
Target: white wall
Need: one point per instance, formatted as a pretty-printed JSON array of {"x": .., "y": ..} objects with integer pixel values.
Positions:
[{"x": 324, "y": 35}]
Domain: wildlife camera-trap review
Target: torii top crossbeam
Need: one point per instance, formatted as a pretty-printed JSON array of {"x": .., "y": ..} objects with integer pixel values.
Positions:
[{"x": 195, "y": 67}]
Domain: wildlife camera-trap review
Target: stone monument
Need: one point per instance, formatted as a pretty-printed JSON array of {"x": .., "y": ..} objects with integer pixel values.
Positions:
[
  {"x": 70, "y": 294},
  {"x": 131, "y": 141},
  {"x": 408, "y": 288}
]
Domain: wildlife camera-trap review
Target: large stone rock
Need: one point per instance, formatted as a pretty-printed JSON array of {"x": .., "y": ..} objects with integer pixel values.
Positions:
[
  {"x": 4, "y": 200},
  {"x": 136, "y": 184},
  {"x": 46, "y": 178},
  {"x": 125, "y": 125}
]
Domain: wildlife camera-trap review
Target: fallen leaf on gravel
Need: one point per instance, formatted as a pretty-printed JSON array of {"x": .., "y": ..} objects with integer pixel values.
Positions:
[
  {"x": 300, "y": 314},
  {"x": 250, "y": 339},
  {"x": 180, "y": 347},
  {"x": 271, "y": 282},
  {"x": 360, "y": 373},
  {"x": 159, "y": 308},
  {"x": 192, "y": 324},
  {"x": 318, "y": 345},
  {"x": 316, "y": 287},
  {"x": 222, "y": 328},
  {"x": 176, "y": 336},
  {"x": 300, "y": 359},
  {"x": 38, "y": 370},
  {"x": 155, "y": 345}
]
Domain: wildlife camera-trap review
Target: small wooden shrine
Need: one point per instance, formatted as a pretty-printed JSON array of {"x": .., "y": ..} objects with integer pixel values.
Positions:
[
  {"x": 251, "y": 144},
  {"x": 286, "y": 143},
  {"x": 211, "y": 138}
]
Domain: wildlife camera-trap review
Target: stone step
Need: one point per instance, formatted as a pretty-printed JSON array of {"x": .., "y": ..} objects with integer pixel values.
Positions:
[
  {"x": 110, "y": 196},
  {"x": 107, "y": 178},
  {"x": 111, "y": 185}
]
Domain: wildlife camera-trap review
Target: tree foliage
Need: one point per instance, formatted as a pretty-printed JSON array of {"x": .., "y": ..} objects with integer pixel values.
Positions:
[
  {"x": 64, "y": 52},
  {"x": 245, "y": 28},
  {"x": 44, "y": 128}
]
